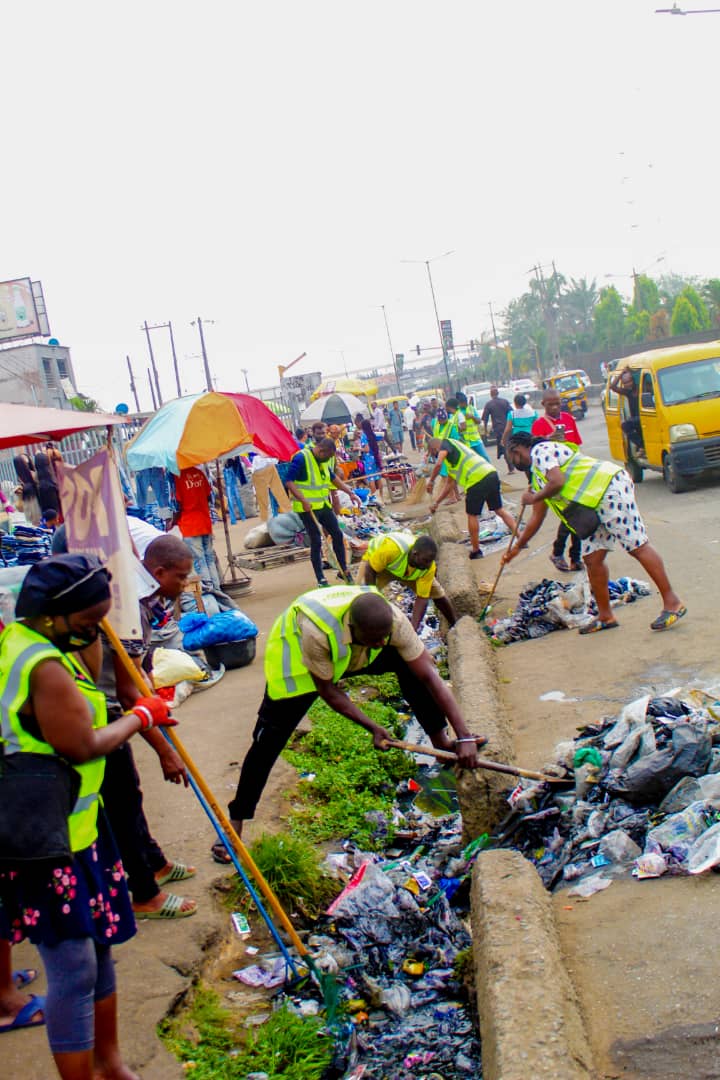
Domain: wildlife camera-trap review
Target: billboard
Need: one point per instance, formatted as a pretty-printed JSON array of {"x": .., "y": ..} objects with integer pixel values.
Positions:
[
  {"x": 447, "y": 334},
  {"x": 22, "y": 310}
]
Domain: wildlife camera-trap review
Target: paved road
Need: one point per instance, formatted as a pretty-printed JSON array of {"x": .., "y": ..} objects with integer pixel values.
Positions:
[{"x": 642, "y": 955}]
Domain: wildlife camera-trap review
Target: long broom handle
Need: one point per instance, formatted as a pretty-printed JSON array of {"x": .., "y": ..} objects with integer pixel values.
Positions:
[
  {"x": 502, "y": 565},
  {"x": 237, "y": 844},
  {"x": 492, "y": 766}
]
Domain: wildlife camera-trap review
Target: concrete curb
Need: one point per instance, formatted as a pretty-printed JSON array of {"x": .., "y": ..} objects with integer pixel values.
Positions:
[
  {"x": 456, "y": 577},
  {"x": 530, "y": 1024},
  {"x": 482, "y": 795},
  {"x": 444, "y": 527}
]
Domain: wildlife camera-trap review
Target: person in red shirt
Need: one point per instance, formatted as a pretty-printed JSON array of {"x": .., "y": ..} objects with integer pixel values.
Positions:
[
  {"x": 192, "y": 494},
  {"x": 560, "y": 427}
]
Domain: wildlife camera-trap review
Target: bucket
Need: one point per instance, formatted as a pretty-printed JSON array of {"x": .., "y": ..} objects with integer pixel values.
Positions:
[{"x": 233, "y": 654}]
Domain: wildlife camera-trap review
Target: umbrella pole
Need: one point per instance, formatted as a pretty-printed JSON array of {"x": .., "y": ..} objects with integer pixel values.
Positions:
[{"x": 226, "y": 523}]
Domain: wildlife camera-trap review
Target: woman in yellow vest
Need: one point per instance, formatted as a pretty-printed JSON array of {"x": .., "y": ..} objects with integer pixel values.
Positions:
[
  {"x": 563, "y": 479},
  {"x": 476, "y": 477},
  {"x": 75, "y": 911}
]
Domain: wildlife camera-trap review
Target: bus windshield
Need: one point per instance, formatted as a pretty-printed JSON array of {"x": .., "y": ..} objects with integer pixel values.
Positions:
[{"x": 697, "y": 381}]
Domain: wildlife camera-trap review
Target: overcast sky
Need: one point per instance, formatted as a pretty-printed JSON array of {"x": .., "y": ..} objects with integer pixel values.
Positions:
[{"x": 269, "y": 165}]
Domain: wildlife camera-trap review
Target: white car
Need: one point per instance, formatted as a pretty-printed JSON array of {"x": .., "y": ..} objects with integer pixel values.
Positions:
[{"x": 523, "y": 386}]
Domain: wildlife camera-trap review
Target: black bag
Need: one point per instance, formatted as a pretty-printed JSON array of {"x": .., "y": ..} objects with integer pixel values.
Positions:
[
  {"x": 582, "y": 520},
  {"x": 37, "y": 795}
]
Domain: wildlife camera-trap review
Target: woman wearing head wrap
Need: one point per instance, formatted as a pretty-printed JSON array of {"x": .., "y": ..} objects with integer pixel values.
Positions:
[{"x": 75, "y": 911}]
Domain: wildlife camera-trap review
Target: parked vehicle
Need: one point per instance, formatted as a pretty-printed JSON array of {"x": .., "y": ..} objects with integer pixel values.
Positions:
[
  {"x": 572, "y": 390},
  {"x": 679, "y": 413}
]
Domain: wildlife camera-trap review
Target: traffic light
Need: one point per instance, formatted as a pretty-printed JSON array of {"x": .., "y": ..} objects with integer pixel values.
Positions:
[{"x": 417, "y": 349}]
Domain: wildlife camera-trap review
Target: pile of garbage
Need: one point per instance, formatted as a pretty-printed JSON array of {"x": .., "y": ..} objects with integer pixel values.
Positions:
[
  {"x": 643, "y": 796},
  {"x": 553, "y": 605},
  {"x": 391, "y": 940}
]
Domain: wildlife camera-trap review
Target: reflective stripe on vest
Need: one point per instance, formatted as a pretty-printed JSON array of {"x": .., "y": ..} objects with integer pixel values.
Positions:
[
  {"x": 285, "y": 670},
  {"x": 586, "y": 481},
  {"x": 399, "y": 566},
  {"x": 472, "y": 431},
  {"x": 21, "y": 650},
  {"x": 445, "y": 431},
  {"x": 470, "y": 468},
  {"x": 316, "y": 486}
]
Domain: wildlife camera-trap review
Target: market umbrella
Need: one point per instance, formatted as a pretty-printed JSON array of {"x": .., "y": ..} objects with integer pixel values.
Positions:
[
  {"x": 346, "y": 385},
  {"x": 202, "y": 427},
  {"x": 21, "y": 424},
  {"x": 334, "y": 409}
]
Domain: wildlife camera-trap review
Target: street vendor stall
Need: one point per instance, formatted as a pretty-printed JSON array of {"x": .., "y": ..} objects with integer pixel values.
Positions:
[{"x": 200, "y": 428}]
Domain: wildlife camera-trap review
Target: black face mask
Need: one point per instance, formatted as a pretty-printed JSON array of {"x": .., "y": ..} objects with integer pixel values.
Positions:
[{"x": 75, "y": 640}]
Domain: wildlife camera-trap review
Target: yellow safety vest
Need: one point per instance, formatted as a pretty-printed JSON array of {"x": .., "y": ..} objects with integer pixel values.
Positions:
[
  {"x": 470, "y": 469},
  {"x": 21, "y": 650},
  {"x": 316, "y": 486},
  {"x": 472, "y": 431},
  {"x": 399, "y": 566},
  {"x": 586, "y": 481},
  {"x": 285, "y": 670},
  {"x": 445, "y": 431}
]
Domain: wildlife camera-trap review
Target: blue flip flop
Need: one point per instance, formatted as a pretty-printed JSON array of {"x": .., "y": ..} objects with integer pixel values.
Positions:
[
  {"x": 24, "y": 1018},
  {"x": 24, "y": 977}
]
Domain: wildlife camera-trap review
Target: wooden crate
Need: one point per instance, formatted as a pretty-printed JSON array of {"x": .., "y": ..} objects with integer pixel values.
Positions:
[{"x": 266, "y": 558}]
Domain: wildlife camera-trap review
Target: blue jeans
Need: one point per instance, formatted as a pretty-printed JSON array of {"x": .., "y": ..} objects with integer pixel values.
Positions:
[
  {"x": 232, "y": 490},
  {"x": 479, "y": 448},
  {"x": 203, "y": 554},
  {"x": 152, "y": 478}
]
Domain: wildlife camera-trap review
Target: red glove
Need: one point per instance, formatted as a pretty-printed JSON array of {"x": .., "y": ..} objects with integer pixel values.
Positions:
[{"x": 153, "y": 712}]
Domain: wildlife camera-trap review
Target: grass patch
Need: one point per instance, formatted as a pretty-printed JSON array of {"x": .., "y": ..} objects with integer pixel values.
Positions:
[
  {"x": 214, "y": 1047},
  {"x": 352, "y": 779},
  {"x": 291, "y": 866}
]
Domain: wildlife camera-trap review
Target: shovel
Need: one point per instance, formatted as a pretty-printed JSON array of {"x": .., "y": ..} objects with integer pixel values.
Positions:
[
  {"x": 502, "y": 566},
  {"x": 491, "y": 766}
]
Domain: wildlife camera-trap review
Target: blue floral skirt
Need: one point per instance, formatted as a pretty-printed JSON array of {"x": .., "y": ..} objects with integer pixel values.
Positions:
[{"x": 87, "y": 897}]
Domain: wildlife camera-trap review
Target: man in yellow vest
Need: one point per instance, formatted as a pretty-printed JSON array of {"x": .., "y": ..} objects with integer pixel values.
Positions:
[
  {"x": 331, "y": 634},
  {"x": 400, "y": 556},
  {"x": 469, "y": 426},
  {"x": 477, "y": 478},
  {"x": 310, "y": 480},
  {"x": 574, "y": 486}
]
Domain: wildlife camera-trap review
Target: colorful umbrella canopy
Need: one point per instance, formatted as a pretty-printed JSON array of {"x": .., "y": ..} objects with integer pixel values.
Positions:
[
  {"x": 334, "y": 409},
  {"x": 346, "y": 385},
  {"x": 196, "y": 429},
  {"x": 21, "y": 424}
]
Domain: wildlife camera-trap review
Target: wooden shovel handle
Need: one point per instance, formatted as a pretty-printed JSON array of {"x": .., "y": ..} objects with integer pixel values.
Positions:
[{"x": 491, "y": 766}]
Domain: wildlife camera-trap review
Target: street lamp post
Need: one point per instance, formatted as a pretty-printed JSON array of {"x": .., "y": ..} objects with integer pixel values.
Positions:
[
  {"x": 392, "y": 351},
  {"x": 435, "y": 307}
]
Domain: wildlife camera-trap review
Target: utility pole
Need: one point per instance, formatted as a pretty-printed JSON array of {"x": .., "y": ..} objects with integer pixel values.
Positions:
[
  {"x": 392, "y": 351},
  {"x": 133, "y": 387},
  {"x": 208, "y": 379},
  {"x": 492, "y": 320},
  {"x": 175, "y": 360},
  {"x": 146, "y": 328},
  {"x": 152, "y": 390}
]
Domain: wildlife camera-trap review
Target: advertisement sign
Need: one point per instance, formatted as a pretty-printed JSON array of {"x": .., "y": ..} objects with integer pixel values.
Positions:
[
  {"x": 19, "y": 316},
  {"x": 447, "y": 334},
  {"x": 95, "y": 522}
]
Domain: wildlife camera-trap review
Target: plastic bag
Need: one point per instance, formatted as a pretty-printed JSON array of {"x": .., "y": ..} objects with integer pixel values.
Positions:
[
  {"x": 258, "y": 537},
  {"x": 678, "y": 832},
  {"x": 170, "y": 666},
  {"x": 650, "y": 778},
  {"x": 650, "y": 866},
  {"x": 705, "y": 852},
  {"x": 618, "y": 847},
  {"x": 286, "y": 528},
  {"x": 200, "y": 630},
  {"x": 589, "y": 886}
]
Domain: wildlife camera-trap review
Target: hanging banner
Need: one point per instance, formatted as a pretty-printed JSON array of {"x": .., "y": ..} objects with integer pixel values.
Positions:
[{"x": 95, "y": 522}]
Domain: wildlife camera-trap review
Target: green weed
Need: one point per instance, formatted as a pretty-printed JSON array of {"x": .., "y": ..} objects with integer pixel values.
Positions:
[
  {"x": 291, "y": 866},
  {"x": 207, "y": 1040},
  {"x": 351, "y": 777}
]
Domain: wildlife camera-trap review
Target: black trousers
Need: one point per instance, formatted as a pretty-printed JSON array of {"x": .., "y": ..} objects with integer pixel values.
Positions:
[
  {"x": 142, "y": 857},
  {"x": 560, "y": 540},
  {"x": 278, "y": 719},
  {"x": 326, "y": 518}
]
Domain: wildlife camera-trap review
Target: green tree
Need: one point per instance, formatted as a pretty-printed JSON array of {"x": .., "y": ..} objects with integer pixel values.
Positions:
[
  {"x": 524, "y": 323},
  {"x": 609, "y": 319},
  {"x": 659, "y": 325},
  {"x": 671, "y": 285},
  {"x": 637, "y": 325},
  {"x": 646, "y": 294},
  {"x": 575, "y": 315},
  {"x": 711, "y": 296},
  {"x": 693, "y": 296},
  {"x": 684, "y": 317}
]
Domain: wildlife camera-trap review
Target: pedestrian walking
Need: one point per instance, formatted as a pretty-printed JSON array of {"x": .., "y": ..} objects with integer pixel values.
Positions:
[
  {"x": 410, "y": 421},
  {"x": 396, "y": 428},
  {"x": 496, "y": 411},
  {"x": 591, "y": 495},
  {"x": 470, "y": 431}
]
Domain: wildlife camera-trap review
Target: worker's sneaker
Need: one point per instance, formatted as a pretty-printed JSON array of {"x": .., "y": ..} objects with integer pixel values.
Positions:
[
  {"x": 476, "y": 554},
  {"x": 323, "y": 583}
]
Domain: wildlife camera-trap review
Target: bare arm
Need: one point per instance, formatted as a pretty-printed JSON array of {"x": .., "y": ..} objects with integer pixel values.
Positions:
[
  {"x": 63, "y": 715},
  {"x": 128, "y": 694},
  {"x": 537, "y": 517},
  {"x": 296, "y": 494},
  {"x": 424, "y": 669},
  {"x": 342, "y": 486},
  {"x": 418, "y": 611},
  {"x": 555, "y": 482},
  {"x": 436, "y": 469},
  {"x": 370, "y": 574},
  {"x": 445, "y": 491},
  {"x": 507, "y": 432}
]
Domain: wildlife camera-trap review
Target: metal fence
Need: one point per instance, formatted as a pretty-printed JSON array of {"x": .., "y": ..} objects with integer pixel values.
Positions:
[{"x": 74, "y": 448}]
